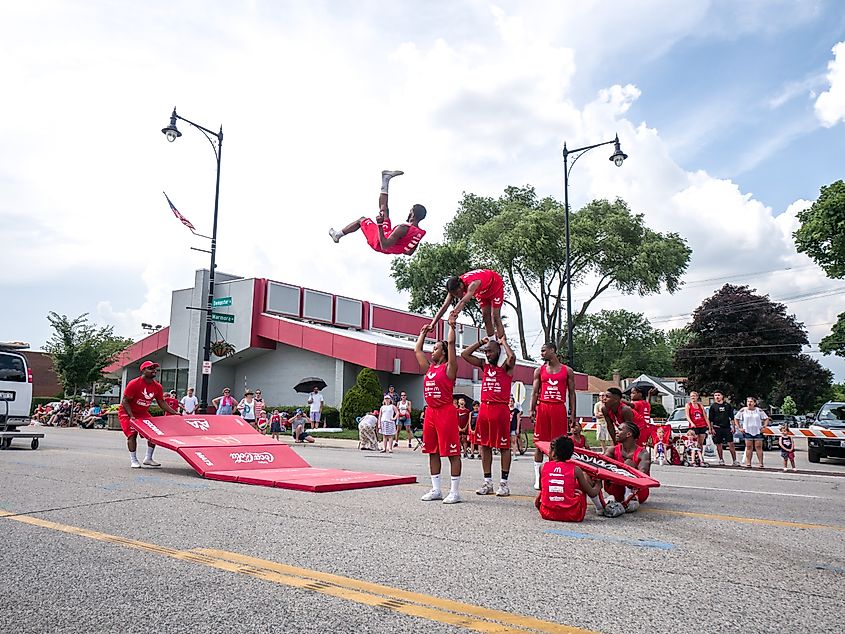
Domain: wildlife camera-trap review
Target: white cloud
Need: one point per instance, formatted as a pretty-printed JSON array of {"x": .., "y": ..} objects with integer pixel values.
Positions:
[{"x": 830, "y": 105}]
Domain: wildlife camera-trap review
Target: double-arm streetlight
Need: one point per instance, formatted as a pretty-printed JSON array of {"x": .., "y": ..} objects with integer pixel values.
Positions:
[
  {"x": 216, "y": 140},
  {"x": 618, "y": 157}
]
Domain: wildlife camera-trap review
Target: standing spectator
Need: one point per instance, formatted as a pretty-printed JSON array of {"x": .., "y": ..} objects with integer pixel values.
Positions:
[
  {"x": 463, "y": 426},
  {"x": 170, "y": 399},
  {"x": 275, "y": 424},
  {"x": 315, "y": 402},
  {"x": 697, "y": 418},
  {"x": 516, "y": 414},
  {"x": 787, "y": 447},
  {"x": 367, "y": 436},
  {"x": 392, "y": 394},
  {"x": 751, "y": 420},
  {"x": 225, "y": 405},
  {"x": 721, "y": 417},
  {"x": 404, "y": 420},
  {"x": 189, "y": 402},
  {"x": 473, "y": 420},
  {"x": 387, "y": 422},
  {"x": 262, "y": 423},
  {"x": 602, "y": 433},
  {"x": 246, "y": 408},
  {"x": 259, "y": 404}
]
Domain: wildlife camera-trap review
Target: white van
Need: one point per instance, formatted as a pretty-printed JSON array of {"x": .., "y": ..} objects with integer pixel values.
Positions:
[{"x": 15, "y": 386}]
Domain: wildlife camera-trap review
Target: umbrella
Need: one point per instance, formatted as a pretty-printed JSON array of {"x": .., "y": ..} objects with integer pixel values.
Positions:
[
  {"x": 642, "y": 386},
  {"x": 309, "y": 383}
]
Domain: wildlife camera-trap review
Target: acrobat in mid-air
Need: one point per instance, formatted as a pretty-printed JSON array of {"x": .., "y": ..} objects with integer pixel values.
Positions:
[
  {"x": 403, "y": 239},
  {"x": 487, "y": 287}
]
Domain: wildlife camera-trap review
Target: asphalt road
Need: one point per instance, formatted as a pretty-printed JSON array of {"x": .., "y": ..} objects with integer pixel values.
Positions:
[{"x": 92, "y": 546}]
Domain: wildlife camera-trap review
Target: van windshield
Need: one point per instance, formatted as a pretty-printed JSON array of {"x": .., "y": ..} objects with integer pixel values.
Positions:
[{"x": 12, "y": 368}]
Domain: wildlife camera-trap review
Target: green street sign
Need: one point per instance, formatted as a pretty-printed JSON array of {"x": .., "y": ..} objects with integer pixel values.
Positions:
[
  {"x": 217, "y": 302},
  {"x": 228, "y": 319}
]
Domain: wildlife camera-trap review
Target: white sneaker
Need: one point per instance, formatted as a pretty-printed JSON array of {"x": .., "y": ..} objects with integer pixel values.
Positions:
[
  {"x": 452, "y": 498},
  {"x": 135, "y": 464},
  {"x": 392, "y": 173},
  {"x": 432, "y": 495},
  {"x": 487, "y": 488},
  {"x": 149, "y": 462},
  {"x": 614, "y": 509},
  {"x": 335, "y": 235},
  {"x": 536, "y": 485},
  {"x": 504, "y": 490},
  {"x": 721, "y": 463},
  {"x": 736, "y": 463},
  {"x": 633, "y": 505}
]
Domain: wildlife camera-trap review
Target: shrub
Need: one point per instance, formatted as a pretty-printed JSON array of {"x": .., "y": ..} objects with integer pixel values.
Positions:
[
  {"x": 658, "y": 411},
  {"x": 365, "y": 396}
]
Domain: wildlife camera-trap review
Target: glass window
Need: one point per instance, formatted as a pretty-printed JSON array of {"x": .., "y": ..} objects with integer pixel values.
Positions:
[{"x": 12, "y": 368}]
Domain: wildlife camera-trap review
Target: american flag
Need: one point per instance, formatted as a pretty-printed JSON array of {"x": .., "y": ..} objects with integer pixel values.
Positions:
[{"x": 176, "y": 213}]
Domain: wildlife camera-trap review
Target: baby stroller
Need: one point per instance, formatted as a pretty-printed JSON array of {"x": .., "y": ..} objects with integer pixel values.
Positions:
[{"x": 693, "y": 455}]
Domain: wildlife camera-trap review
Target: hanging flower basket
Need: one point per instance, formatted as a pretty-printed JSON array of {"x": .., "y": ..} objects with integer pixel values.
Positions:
[{"x": 222, "y": 348}]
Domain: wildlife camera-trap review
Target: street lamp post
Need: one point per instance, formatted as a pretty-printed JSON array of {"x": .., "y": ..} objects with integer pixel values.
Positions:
[
  {"x": 618, "y": 157},
  {"x": 216, "y": 141}
]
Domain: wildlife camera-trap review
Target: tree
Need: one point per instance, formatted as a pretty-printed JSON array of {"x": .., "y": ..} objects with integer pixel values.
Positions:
[
  {"x": 620, "y": 340},
  {"x": 822, "y": 231},
  {"x": 81, "y": 351},
  {"x": 365, "y": 396},
  {"x": 837, "y": 392},
  {"x": 806, "y": 381},
  {"x": 522, "y": 237},
  {"x": 740, "y": 343},
  {"x": 789, "y": 407},
  {"x": 834, "y": 343}
]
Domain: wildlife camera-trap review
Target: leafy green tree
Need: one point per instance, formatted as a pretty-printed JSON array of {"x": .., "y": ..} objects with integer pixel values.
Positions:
[
  {"x": 822, "y": 231},
  {"x": 81, "y": 351},
  {"x": 789, "y": 407},
  {"x": 804, "y": 380},
  {"x": 740, "y": 343},
  {"x": 620, "y": 340},
  {"x": 834, "y": 343},
  {"x": 365, "y": 396},
  {"x": 522, "y": 237},
  {"x": 837, "y": 392}
]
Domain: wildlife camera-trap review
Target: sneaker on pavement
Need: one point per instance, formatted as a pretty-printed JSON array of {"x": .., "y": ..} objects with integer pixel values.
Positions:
[
  {"x": 504, "y": 490},
  {"x": 736, "y": 463},
  {"x": 536, "y": 486},
  {"x": 452, "y": 498},
  {"x": 135, "y": 464},
  {"x": 432, "y": 495},
  {"x": 721, "y": 463},
  {"x": 335, "y": 235},
  {"x": 392, "y": 173},
  {"x": 614, "y": 509},
  {"x": 149, "y": 462},
  {"x": 487, "y": 488},
  {"x": 632, "y": 507}
]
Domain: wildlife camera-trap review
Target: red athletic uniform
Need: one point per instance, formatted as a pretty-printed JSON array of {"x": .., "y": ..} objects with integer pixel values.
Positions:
[
  {"x": 463, "y": 420},
  {"x": 617, "y": 490},
  {"x": 491, "y": 292},
  {"x": 561, "y": 498},
  {"x": 645, "y": 429},
  {"x": 404, "y": 246},
  {"x": 141, "y": 395},
  {"x": 440, "y": 426},
  {"x": 580, "y": 442},
  {"x": 551, "y": 418},
  {"x": 173, "y": 402},
  {"x": 493, "y": 428},
  {"x": 696, "y": 413}
]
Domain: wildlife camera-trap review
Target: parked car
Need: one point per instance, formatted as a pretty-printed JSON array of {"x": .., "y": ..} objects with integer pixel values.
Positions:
[
  {"x": 15, "y": 387},
  {"x": 830, "y": 416},
  {"x": 790, "y": 420}
]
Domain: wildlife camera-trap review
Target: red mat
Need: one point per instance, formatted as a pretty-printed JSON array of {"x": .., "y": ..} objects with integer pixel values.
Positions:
[
  {"x": 227, "y": 448},
  {"x": 600, "y": 466}
]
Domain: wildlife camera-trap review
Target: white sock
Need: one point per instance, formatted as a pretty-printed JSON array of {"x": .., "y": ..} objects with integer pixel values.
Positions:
[
  {"x": 537, "y": 467},
  {"x": 503, "y": 480},
  {"x": 133, "y": 456},
  {"x": 150, "y": 451},
  {"x": 385, "y": 181},
  {"x": 456, "y": 481},
  {"x": 489, "y": 480},
  {"x": 597, "y": 502},
  {"x": 435, "y": 482},
  {"x": 628, "y": 492}
]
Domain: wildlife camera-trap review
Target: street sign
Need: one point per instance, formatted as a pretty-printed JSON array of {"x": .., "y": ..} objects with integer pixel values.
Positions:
[
  {"x": 206, "y": 367},
  {"x": 227, "y": 319},
  {"x": 217, "y": 302}
]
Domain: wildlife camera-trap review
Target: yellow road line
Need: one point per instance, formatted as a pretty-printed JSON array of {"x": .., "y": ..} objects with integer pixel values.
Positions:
[
  {"x": 743, "y": 520},
  {"x": 467, "y": 616}
]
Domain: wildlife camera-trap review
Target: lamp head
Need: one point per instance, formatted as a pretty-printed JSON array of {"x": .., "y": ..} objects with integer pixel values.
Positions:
[
  {"x": 171, "y": 132},
  {"x": 618, "y": 157}
]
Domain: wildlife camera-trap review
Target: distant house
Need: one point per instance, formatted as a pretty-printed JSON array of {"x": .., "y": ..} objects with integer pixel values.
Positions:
[{"x": 670, "y": 390}]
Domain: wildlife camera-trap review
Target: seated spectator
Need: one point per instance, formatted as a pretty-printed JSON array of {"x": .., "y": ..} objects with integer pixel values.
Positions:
[
  {"x": 62, "y": 415},
  {"x": 298, "y": 428},
  {"x": 367, "y": 436},
  {"x": 93, "y": 416}
]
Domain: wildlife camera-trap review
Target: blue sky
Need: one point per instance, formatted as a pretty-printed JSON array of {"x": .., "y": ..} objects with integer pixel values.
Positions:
[{"x": 733, "y": 114}]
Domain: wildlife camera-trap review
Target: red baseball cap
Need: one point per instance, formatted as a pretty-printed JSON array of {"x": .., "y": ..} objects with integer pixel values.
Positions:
[{"x": 149, "y": 364}]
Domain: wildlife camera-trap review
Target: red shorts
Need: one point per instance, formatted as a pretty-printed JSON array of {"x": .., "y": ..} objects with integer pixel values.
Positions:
[
  {"x": 618, "y": 492},
  {"x": 125, "y": 425},
  {"x": 493, "y": 428},
  {"x": 552, "y": 421},
  {"x": 440, "y": 431},
  {"x": 574, "y": 513},
  {"x": 493, "y": 296},
  {"x": 370, "y": 230}
]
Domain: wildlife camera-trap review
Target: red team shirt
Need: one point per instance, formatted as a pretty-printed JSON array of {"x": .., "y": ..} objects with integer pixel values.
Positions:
[
  {"x": 404, "y": 246},
  {"x": 492, "y": 289},
  {"x": 580, "y": 442},
  {"x": 696, "y": 413},
  {"x": 140, "y": 395},
  {"x": 617, "y": 490},
  {"x": 639, "y": 421},
  {"x": 551, "y": 418},
  {"x": 561, "y": 498},
  {"x": 440, "y": 425},
  {"x": 494, "y": 415}
]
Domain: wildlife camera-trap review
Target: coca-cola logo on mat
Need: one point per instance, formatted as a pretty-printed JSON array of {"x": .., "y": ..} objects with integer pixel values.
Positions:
[{"x": 264, "y": 457}]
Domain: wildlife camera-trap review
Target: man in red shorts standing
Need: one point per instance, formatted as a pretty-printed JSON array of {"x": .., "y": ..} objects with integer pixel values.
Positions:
[
  {"x": 139, "y": 394},
  {"x": 492, "y": 430},
  {"x": 440, "y": 426},
  {"x": 487, "y": 287},
  {"x": 629, "y": 451},
  {"x": 553, "y": 382},
  {"x": 402, "y": 239}
]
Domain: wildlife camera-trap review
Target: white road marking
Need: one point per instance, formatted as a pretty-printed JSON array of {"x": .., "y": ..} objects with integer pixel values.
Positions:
[{"x": 791, "y": 495}]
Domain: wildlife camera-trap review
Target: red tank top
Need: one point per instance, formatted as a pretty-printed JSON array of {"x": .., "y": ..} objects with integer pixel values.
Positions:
[
  {"x": 643, "y": 408},
  {"x": 438, "y": 387},
  {"x": 615, "y": 417},
  {"x": 407, "y": 243},
  {"x": 696, "y": 413},
  {"x": 553, "y": 387},
  {"x": 559, "y": 488},
  {"x": 496, "y": 384},
  {"x": 617, "y": 454},
  {"x": 580, "y": 442}
]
